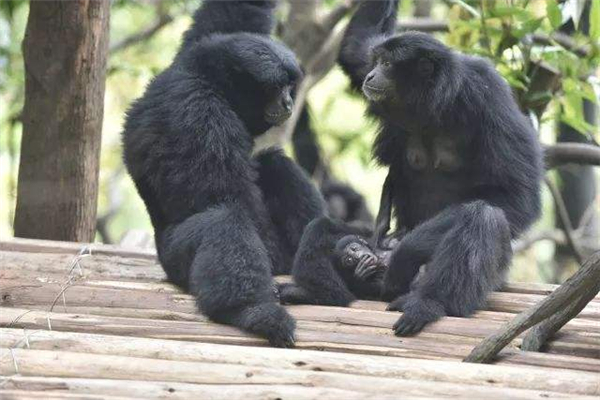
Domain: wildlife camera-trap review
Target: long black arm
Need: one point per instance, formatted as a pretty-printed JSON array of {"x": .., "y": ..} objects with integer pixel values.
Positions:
[
  {"x": 384, "y": 216},
  {"x": 373, "y": 19}
]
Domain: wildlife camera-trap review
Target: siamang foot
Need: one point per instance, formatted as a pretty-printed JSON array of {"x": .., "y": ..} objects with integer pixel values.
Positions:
[
  {"x": 282, "y": 337},
  {"x": 268, "y": 320},
  {"x": 418, "y": 312},
  {"x": 276, "y": 325},
  {"x": 290, "y": 293}
]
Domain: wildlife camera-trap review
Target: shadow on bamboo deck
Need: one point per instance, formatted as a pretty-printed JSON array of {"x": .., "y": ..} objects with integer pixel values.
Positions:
[{"x": 101, "y": 322}]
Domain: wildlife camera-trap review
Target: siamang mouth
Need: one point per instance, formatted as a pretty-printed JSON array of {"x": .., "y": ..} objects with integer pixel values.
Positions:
[
  {"x": 373, "y": 93},
  {"x": 277, "y": 118}
]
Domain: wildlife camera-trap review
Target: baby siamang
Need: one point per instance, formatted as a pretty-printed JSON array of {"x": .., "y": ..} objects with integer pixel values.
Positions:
[
  {"x": 333, "y": 267},
  {"x": 224, "y": 221},
  {"x": 464, "y": 164}
]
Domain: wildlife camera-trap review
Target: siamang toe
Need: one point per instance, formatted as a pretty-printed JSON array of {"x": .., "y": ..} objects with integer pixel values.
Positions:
[{"x": 282, "y": 338}]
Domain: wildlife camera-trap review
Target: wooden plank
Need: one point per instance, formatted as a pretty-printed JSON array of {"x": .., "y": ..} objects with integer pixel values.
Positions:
[
  {"x": 107, "y": 264},
  {"x": 98, "y": 266},
  {"x": 80, "y": 365},
  {"x": 42, "y": 294},
  {"x": 319, "y": 337},
  {"x": 26, "y": 395},
  {"x": 104, "y": 388},
  {"x": 474, "y": 374},
  {"x": 58, "y": 247}
]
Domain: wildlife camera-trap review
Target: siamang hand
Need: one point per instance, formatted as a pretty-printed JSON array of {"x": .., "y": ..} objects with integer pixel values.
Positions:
[{"x": 368, "y": 265}]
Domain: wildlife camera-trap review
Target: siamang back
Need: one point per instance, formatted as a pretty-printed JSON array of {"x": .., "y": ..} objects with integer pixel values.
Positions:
[{"x": 222, "y": 218}]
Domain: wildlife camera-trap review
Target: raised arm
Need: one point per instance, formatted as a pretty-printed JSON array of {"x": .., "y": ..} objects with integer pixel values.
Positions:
[
  {"x": 230, "y": 16},
  {"x": 373, "y": 19}
]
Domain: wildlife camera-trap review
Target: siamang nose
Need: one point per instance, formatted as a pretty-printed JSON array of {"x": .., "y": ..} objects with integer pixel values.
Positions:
[
  {"x": 286, "y": 101},
  {"x": 370, "y": 76}
]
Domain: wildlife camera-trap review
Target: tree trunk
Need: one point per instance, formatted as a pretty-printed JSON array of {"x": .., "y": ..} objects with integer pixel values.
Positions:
[{"x": 64, "y": 50}]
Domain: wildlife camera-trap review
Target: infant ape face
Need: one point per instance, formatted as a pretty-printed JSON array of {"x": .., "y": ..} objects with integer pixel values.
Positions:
[
  {"x": 355, "y": 255},
  {"x": 405, "y": 67}
]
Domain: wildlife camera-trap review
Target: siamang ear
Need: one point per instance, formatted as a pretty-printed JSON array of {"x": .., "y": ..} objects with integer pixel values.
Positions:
[{"x": 425, "y": 67}]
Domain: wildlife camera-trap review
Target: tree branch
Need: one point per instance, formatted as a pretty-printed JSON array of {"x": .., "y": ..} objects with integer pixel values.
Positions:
[
  {"x": 161, "y": 21},
  {"x": 537, "y": 337},
  {"x": 563, "y": 40},
  {"x": 571, "y": 153},
  {"x": 583, "y": 281},
  {"x": 330, "y": 20},
  {"x": 565, "y": 220},
  {"x": 422, "y": 25}
]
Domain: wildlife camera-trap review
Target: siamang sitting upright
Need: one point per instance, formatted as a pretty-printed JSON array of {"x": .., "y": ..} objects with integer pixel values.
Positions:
[
  {"x": 224, "y": 222},
  {"x": 464, "y": 167}
]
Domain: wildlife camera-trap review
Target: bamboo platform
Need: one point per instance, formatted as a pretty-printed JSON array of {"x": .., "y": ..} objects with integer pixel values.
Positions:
[{"x": 107, "y": 325}]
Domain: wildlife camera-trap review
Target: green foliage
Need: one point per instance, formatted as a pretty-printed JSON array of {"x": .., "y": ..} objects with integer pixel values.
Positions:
[
  {"x": 595, "y": 20},
  {"x": 554, "y": 13},
  {"x": 524, "y": 38}
]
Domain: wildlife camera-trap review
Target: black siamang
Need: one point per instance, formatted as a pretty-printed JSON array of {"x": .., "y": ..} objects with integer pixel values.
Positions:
[
  {"x": 224, "y": 221},
  {"x": 464, "y": 167}
]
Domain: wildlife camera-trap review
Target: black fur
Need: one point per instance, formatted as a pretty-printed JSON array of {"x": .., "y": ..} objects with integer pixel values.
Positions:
[
  {"x": 318, "y": 276},
  {"x": 224, "y": 221},
  {"x": 465, "y": 165}
]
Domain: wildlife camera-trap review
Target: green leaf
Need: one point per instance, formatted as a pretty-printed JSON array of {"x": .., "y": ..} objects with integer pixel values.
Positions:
[
  {"x": 578, "y": 124},
  {"x": 554, "y": 13},
  {"x": 595, "y": 21}
]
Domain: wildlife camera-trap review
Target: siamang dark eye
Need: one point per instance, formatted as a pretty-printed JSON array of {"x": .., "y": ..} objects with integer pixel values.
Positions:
[
  {"x": 386, "y": 64},
  {"x": 354, "y": 248}
]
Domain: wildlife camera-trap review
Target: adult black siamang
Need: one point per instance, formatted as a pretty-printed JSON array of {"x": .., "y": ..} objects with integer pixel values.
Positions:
[
  {"x": 464, "y": 168},
  {"x": 224, "y": 221}
]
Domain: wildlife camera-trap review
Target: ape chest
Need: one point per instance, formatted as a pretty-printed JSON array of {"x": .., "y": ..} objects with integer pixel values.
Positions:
[{"x": 426, "y": 155}]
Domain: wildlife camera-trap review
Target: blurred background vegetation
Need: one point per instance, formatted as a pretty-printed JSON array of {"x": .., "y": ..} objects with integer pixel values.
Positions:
[{"x": 547, "y": 50}]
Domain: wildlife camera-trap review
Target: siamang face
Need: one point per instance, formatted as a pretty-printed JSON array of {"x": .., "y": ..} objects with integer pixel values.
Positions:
[
  {"x": 266, "y": 74},
  {"x": 279, "y": 105},
  {"x": 405, "y": 68},
  {"x": 353, "y": 251}
]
